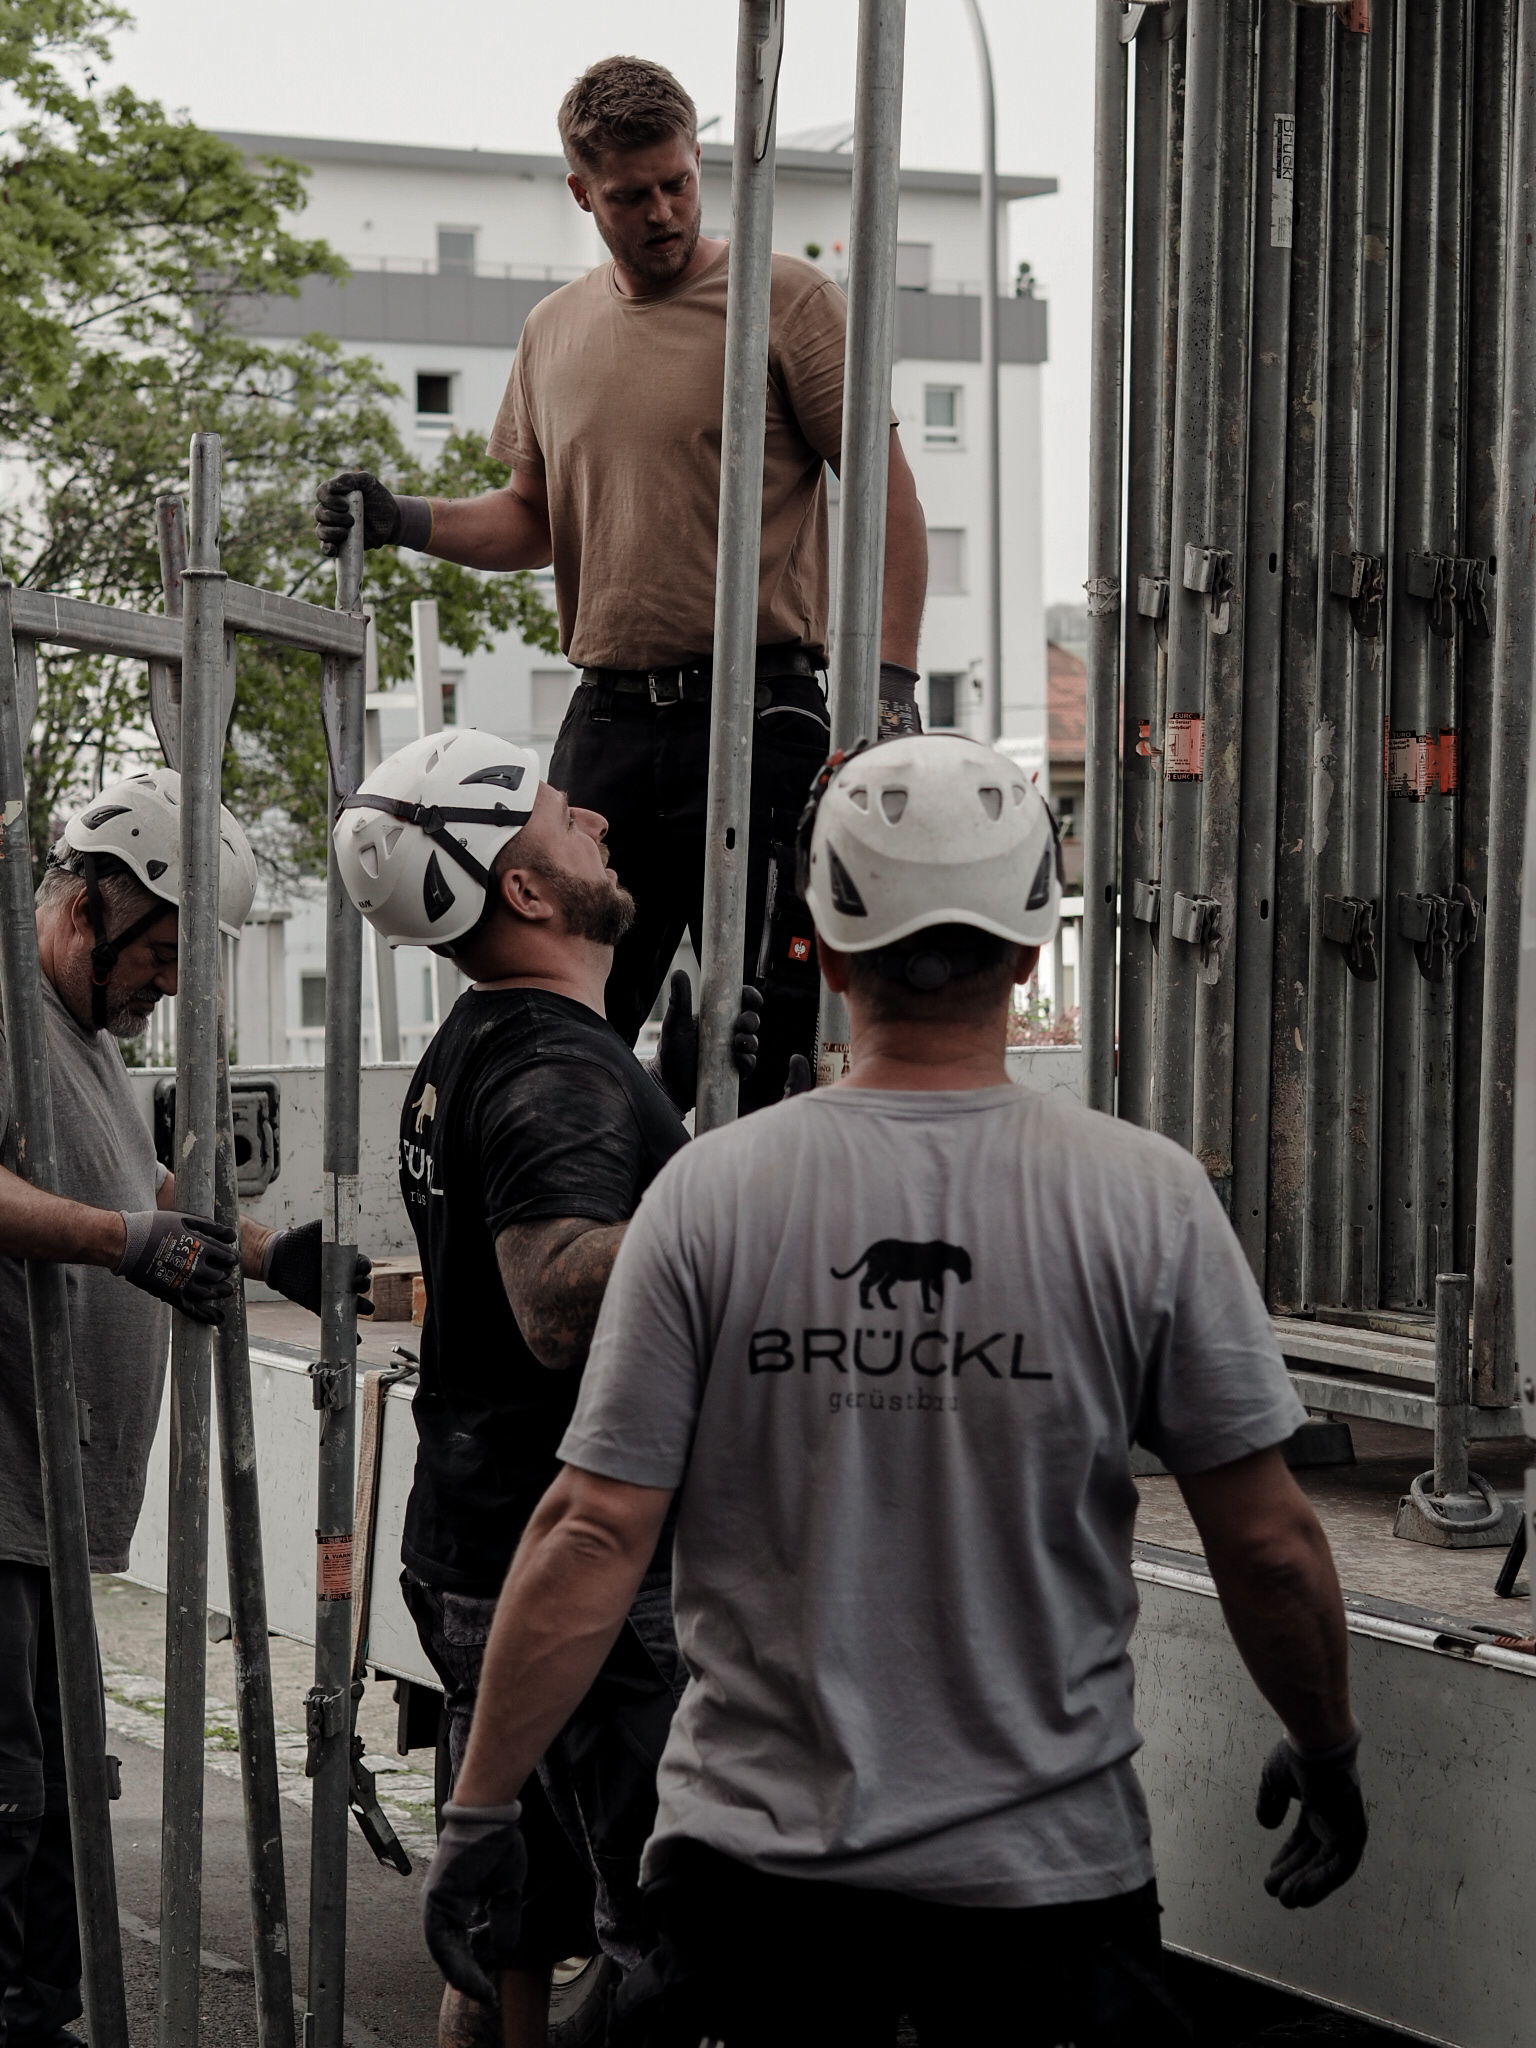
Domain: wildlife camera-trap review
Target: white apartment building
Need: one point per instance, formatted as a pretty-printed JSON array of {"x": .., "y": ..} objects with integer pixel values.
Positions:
[{"x": 451, "y": 248}]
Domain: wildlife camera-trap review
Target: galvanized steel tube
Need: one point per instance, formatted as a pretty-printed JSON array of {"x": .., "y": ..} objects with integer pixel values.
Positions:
[
  {"x": 1514, "y": 654},
  {"x": 197, "y": 1053},
  {"x": 865, "y": 461},
  {"x": 1279, "y": 120},
  {"x": 990, "y": 420},
  {"x": 1106, "y": 389},
  {"x": 760, "y": 30},
  {"x": 53, "y": 1375},
  {"x": 1452, "y": 1291},
  {"x": 328, "y": 1707}
]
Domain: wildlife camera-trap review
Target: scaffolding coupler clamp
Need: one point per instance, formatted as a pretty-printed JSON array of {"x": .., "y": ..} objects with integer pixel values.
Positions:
[
  {"x": 1452, "y": 584},
  {"x": 1146, "y": 900},
  {"x": 1152, "y": 603},
  {"x": 1197, "y": 921},
  {"x": 329, "y": 1384},
  {"x": 1362, "y": 579},
  {"x": 1208, "y": 572},
  {"x": 1350, "y": 922},
  {"x": 1440, "y": 928},
  {"x": 326, "y": 1715}
]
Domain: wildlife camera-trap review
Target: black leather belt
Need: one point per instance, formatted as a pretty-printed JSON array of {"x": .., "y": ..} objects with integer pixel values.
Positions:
[{"x": 689, "y": 682}]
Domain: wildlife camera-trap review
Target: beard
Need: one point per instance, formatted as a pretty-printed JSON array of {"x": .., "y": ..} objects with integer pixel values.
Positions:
[
  {"x": 661, "y": 265},
  {"x": 599, "y": 912},
  {"x": 121, "y": 1021}
]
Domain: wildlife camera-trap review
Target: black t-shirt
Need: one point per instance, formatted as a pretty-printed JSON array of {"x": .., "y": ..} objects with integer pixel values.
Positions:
[{"x": 525, "y": 1106}]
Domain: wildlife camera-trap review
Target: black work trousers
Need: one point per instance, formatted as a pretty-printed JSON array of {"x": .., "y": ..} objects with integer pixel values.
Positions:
[
  {"x": 39, "y": 1929},
  {"x": 645, "y": 767},
  {"x": 752, "y": 1961}
]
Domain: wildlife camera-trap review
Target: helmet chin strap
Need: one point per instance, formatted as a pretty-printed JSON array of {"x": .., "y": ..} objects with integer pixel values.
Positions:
[{"x": 106, "y": 952}]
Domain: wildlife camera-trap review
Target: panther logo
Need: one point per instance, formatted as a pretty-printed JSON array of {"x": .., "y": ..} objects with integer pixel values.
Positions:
[
  {"x": 425, "y": 1107},
  {"x": 891, "y": 1260}
]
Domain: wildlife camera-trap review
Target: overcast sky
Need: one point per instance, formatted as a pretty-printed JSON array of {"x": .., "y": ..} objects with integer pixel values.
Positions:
[{"x": 488, "y": 74}]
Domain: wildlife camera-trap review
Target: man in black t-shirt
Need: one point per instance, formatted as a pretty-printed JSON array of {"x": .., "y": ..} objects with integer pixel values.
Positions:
[{"x": 528, "y": 1135}]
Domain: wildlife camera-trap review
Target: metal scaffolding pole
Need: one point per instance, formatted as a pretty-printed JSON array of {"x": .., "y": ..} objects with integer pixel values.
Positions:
[
  {"x": 1505, "y": 992},
  {"x": 58, "y": 1416},
  {"x": 1157, "y": 190},
  {"x": 1253, "y": 957},
  {"x": 759, "y": 49},
  {"x": 254, "y": 1709},
  {"x": 197, "y": 1052},
  {"x": 328, "y": 1706},
  {"x": 865, "y": 462},
  {"x": 991, "y": 412},
  {"x": 1101, "y": 744}
]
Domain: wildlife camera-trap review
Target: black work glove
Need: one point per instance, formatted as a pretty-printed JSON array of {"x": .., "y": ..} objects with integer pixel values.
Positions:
[
  {"x": 898, "y": 701},
  {"x": 676, "y": 1065},
  {"x": 1324, "y": 1848},
  {"x": 472, "y": 1901},
  {"x": 388, "y": 521},
  {"x": 189, "y": 1261},
  {"x": 291, "y": 1264},
  {"x": 799, "y": 1080}
]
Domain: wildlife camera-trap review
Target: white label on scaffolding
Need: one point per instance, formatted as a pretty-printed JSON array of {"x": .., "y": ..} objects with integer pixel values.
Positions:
[
  {"x": 12, "y": 812},
  {"x": 1282, "y": 182},
  {"x": 342, "y": 1207}
]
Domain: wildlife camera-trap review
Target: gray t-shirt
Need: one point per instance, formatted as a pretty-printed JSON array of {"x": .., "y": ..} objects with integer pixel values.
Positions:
[
  {"x": 119, "y": 1335},
  {"x": 894, "y": 1349}
]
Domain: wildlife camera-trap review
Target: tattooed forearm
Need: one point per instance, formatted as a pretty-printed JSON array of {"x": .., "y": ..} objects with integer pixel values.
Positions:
[{"x": 555, "y": 1273}]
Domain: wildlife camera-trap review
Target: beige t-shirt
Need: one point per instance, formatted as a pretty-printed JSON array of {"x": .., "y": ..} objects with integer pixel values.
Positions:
[{"x": 616, "y": 403}]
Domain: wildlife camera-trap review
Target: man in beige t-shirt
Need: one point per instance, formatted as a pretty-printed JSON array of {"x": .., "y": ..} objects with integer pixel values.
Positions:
[{"x": 611, "y": 423}]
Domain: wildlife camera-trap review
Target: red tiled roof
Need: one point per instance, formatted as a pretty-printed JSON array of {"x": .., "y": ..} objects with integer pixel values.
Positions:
[{"x": 1067, "y": 685}]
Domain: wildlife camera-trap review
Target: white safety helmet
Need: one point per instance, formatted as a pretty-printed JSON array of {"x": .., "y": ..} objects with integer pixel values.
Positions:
[
  {"x": 136, "y": 824},
  {"x": 416, "y": 841},
  {"x": 929, "y": 829}
]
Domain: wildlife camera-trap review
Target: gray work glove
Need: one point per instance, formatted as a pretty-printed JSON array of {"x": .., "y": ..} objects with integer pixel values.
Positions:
[
  {"x": 291, "y": 1264},
  {"x": 1324, "y": 1848},
  {"x": 189, "y": 1261},
  {"x": 472, "y": 1901},
  {"x": 388, "y": 521},
  {"x": 676, "y": 1065},
  {"x": 799, "y": 1080}
]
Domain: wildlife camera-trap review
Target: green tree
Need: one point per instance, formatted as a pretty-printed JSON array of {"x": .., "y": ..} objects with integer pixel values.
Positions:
[{"x": 131, "y": 248}]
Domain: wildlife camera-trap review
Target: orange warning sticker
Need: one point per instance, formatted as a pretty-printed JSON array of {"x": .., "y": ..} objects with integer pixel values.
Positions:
[
  {"x": 1421, "y": 763},
  {"x": 1185, "y": 749},
  {"x": 799, "y": 949},
  {"x": 333, "y": 1568}
]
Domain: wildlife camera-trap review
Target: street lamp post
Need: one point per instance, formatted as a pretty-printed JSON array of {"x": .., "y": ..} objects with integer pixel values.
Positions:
[{"x": 989, "y": 385}]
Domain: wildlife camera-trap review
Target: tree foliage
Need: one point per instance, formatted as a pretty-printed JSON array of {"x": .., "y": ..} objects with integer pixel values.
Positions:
[{"x": 132, "y": 246}]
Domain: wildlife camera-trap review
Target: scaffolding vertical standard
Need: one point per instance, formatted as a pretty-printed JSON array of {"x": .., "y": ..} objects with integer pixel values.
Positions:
[
  {"x": 864, "y": 466},
  {"x": 732, "y": 708},
  {"x": 197, "y": 1058},
  {"x": 58, "y": 1416},
  {"x": 991, "y": 425},
  {"x": 328, "y": 1706},
  {"x": 1106, "y": 404}
]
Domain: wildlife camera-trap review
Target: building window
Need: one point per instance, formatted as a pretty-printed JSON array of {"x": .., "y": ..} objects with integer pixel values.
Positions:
[
  {"x": 551, "y": 696},
  {"x": 914, "y": 266},
  {"x": 456, "y": 252},
  {"x": 450, "y": 690},
  {"x": 434, "y": 395},
  {"x": 312, "y": 1002},
  {"x": 946, "y": 561},
  {"x": 941, "y": 415},
  {"x": 944, "y": 701},
  {"x": 1066, "y": 814}
]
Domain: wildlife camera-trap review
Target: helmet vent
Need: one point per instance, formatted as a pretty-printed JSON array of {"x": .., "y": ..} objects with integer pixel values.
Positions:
[
  {"x": 431, "y": 761},
  {"x": 94, "y": 820},
  {"x": 1018, "y": 794},
  {"x": 845, "y": 897},
  {"x": 155, "y": 869},
  {"x": 368, "y": 858},
  {"x": 991, "y": 802},
  {"x": 392, "y": 839},
  {"x": 1040, "y": 889},
  {"x": 436, "y": 895},
  {"x": 508, "y": 777},
  {"x": 893, "y": 802},
  {"x": 859, "y": 797}
]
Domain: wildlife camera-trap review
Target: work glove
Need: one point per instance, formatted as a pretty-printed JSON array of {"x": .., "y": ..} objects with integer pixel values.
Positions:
[
  {"x": 1324, "y": 1848},
  {"x": 472, "y": 1901},
  {"x": 799, "y": 1080},
  {"x": 898, "y": 701},
  {"x": 388, "y": 521},
  {"x": 189, "y": 1261},
  {"x": 291, "y": 1264},
  {"x": 676, "y": 1065}
]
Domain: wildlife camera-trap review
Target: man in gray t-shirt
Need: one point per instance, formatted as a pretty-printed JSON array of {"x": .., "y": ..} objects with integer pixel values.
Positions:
[{"x": 891, "y": 1344}]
